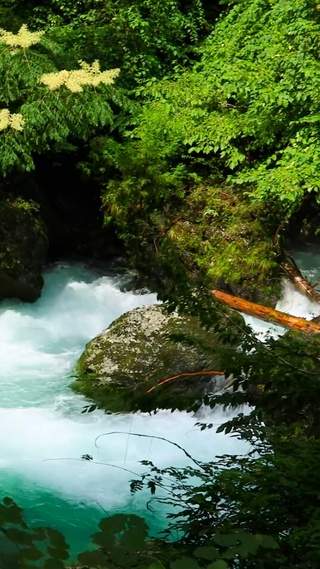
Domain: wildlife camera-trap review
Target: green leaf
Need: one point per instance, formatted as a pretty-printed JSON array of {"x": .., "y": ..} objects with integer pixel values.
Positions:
[
  {"x": 53, "y": 564},
  {"x": 58, "y": 552},
  {"x": 11, "y": 513},
  {"x": 267, "y": 542},
  {"x": 114, "y": 524},
  {"x": 220, "y": 564},
  {"x": 92, "y": 558},
  {"x": 133, "y": 540},
  {"x": 120, "y": 555},
  {"x": 184, "y": 563},
  {"x": 32, "y": 553},
  {"x": 18, "y": 536},
  {"x": 8, "y": 501},
  {"x": 226, "y": 540},
  {"x": 57, "y": 539},
  {"x": 206, "y": 552}
]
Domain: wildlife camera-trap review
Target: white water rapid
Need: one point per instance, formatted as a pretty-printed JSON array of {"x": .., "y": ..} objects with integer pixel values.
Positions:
[
  {"x": 292, "y": 301},
  {"x": 44, "y": 434}
]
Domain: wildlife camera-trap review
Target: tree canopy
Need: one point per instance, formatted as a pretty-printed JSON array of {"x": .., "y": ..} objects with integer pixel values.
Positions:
[
  {"x": 241, "y": 122},
  {"x": 44, "y": 106}
]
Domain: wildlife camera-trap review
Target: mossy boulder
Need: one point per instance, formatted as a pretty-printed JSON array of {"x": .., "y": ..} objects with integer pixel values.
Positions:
[
  {"x": 142, "y": 348},
  {"x": 23, "y": 246},
  {"x": 212, "y": 237},
  {"x": 229, "y": 240}
]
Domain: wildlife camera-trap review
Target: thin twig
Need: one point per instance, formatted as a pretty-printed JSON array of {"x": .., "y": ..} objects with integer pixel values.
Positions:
[
  {"x": 188, "y": 373},
  {"x": 93, "y": 462},
  {"x": 150, "y": 437}
]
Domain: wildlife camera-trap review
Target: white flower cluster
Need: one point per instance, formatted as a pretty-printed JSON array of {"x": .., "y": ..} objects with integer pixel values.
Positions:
[
  {"x": 76, "y": 79},
  {"x": 15, "y": 121},
  {"x": 23, "y": 38}
]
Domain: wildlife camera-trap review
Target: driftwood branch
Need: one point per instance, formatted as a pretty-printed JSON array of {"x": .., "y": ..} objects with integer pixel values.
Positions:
[{"x": 292, "y": 271}]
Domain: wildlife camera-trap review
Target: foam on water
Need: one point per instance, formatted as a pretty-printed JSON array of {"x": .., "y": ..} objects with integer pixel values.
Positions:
[
  {"x": 43, "y": 431},
  {"x": 292, "y": 301}
]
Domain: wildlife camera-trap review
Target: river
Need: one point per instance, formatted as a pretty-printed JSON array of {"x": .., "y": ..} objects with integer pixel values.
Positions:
[{"x": 43, "y": 432}]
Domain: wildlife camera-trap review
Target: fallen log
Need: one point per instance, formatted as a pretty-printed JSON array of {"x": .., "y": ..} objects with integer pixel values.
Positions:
[
  {"x": 268, "y": 314},
  {"x": 294, "y": 274}
]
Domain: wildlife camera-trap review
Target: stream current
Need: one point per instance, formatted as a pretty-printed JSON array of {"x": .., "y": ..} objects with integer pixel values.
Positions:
[{"x": 43, "y": 432}]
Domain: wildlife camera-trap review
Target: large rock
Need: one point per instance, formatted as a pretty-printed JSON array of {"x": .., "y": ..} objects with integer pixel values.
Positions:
[
  {"x": 140, "y": 349},
  {"x": 23, "y": 246}
]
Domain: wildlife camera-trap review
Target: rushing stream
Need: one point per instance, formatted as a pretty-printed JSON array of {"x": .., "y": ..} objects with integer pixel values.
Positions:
[
  {"x": 44, "y": 434},
  {"x": 41, "y": 420}
]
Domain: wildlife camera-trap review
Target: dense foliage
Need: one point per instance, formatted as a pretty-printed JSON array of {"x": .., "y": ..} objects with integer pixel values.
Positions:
[
  {"x": 242, "y": 122},
  {"x": 145, "y": 38},
  {"x": 45, "y": 107}
]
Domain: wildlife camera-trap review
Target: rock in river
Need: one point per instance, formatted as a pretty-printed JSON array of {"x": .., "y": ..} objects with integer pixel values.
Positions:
[{"x": 142, "y": 348}]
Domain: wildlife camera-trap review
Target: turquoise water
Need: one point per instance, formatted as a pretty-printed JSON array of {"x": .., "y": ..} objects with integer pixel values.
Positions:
[{"x": 44, "y": 434}]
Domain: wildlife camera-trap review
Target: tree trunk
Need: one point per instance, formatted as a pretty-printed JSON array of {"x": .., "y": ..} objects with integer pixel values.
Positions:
[
  {"x": 267, "y": 314},
  {"x": 292, "y": 271}
]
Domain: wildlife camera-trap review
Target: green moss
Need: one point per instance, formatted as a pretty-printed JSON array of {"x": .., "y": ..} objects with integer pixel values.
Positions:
[
  {"x": 229, "y": 241},
  {"x": 142, "y": 348}
]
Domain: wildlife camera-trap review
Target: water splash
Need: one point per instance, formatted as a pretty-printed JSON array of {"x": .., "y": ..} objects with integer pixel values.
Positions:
[
  {"x": 44, "y": 434},
  {"x": 292, "y": 301}
]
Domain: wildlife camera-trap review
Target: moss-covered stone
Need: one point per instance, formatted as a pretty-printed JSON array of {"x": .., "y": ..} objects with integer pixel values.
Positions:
[
  {"x": 231, "y": 242},
  {"x": 209, "y": 236},
  {"x": 23, "y": 246},
  {"x": 142, "y": 348}
]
